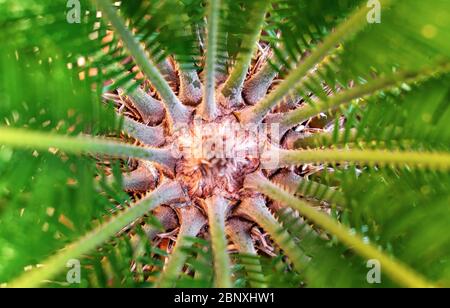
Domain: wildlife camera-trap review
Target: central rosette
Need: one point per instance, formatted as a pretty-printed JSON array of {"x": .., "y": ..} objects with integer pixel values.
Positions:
[{"x": 214, "y": 157}]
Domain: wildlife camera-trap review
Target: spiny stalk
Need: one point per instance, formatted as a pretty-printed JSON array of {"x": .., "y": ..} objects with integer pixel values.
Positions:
[
  {"x": 257, "y": 86},
  {"x": 296, "y": 184},
  {"x": 353, "y": 25},
  {"x": 256, "y": 210},
  {"x": 208, "y": 108},
  {"x": 167, "y": 70},
  {"x": 290, "y": 119},
  {"x": 151, "y": 110},
  {"x": 232, "y": 88},
  {"x": 191, "y": 88},
  {"x": 349, "y": 137},
  {"x": 239, "y": 233},
  {"x": 168, "y": 219},
  {"x": 26, "y": 139},
  {"x": 217, "y": 208},
  {"x": 149, "y": 135},
  {"x": 178, "y": 112},
  {"x": 323, "y": 139},
  {"x": 143, "y": 179},
  {"x": 395, "y": 269},
  {"x": 428, "y": 160},
  {"x": 166, "y": 193},
  {"x": 191, "y": 222}
]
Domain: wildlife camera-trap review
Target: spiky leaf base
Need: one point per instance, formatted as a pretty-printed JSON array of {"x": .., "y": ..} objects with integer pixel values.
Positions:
[{"x": 210, "y": 159}]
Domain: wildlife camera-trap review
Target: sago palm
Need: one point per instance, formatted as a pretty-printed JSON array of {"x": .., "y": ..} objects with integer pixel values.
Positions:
[{"x": 226, "y": 143}]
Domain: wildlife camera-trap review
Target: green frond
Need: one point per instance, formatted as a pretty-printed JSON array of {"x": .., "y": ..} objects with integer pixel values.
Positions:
[
  {"x": 209, "y": 106},
  {"x": 406, "y": 118},
  {"x": 178, "y": 112},
  {"x": 256, "y": 13},
  {"x": 359, "y": 92},
  {"x": 301, "y": 32},
  {"x": 420, "y": 125},
  {"x": 26, "y": 139},
  {"x": 308, "y": 188},
  {"x": 360, "y": 60},
  {"x": 172, "y": 30},
  {"x": 355, "y": 23},
  {"x": 174, "y": 266},
  {"x": 412, "y": 42},
  {"x": 327, "y": 258},
  {"x": 26, "y": 28},
  {"x": 44, "y": 193},
  {"x": 199, "y": 271},
  {"x": 56, "y": 263},
  {"x": 256, "y": 210},
  {"x": 393, "y": 268},
  {"x": 119, "y": 263},
  {"x": 217, "y": 208},
  {"x": 422, "y": 160},
  {"x": 177, "y": 259},
  {"x": 416, "y": 213},
  {"x": 240, "y": 234},
  {"x": 254, "y": 275},
  {"x": 239, "y": 21},
  {"x": 318, "y": 191},
  {"x": 279, "y": 274}
]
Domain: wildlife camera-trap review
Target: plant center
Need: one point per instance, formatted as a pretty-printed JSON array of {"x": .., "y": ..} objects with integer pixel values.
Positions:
[{"x": 214, "y": 157}]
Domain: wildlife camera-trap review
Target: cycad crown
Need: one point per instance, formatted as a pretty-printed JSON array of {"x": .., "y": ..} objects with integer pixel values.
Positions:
[{"x": 161, "y": 142}]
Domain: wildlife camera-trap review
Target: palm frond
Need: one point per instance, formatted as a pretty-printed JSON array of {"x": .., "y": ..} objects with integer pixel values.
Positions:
[
  {"x": 420, "y": 198},
  {"x": 54, "y": 264},
  {"x": 217, "y": 208},
  {"x": 359, "y": 92},
  {"x": 178, "y": 257},
  {"x": 19, "y": 138},
  {"x": 354, "y": 24},
  {"x": 419, "y": 126},
  {"x": 233, "y": 86},
  {"x": 209, "y": 107},
  {"x": 427, "y": 160},
  {"x": 393, "y": 268},
  {"x": 178, "y": 112},
  {"x": 256, "y": 210}
]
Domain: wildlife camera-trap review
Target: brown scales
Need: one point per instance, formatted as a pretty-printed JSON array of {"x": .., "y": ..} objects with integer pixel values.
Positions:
[{"x": 211, "y": 173}]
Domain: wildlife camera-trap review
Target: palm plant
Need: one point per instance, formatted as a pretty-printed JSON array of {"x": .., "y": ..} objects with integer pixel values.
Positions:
[{"x": 99, "y": 118}]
